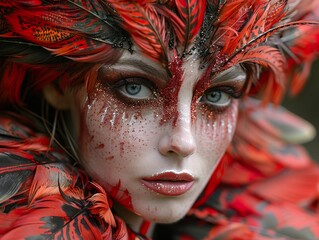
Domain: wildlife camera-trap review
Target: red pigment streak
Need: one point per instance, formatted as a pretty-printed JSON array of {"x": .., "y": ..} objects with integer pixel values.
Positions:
[
  {"x": 144, "y": 227},
  {"x": 123, "y": 197},
  {"x": 91, "y": 137},
  {"x": 109, "y": 158},
  {"x": 203, "y": 83},
  {"x": 100, "y": 146},
  {"x": 171, "y": 90},
  {"x": 121, "y": 148}
]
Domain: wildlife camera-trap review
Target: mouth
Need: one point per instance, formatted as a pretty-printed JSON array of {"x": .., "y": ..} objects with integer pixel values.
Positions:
[{"x": 169, "y": 183}]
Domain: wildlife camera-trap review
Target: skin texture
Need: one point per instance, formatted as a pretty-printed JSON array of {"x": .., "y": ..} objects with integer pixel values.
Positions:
[{"x": 123, "y": 137}]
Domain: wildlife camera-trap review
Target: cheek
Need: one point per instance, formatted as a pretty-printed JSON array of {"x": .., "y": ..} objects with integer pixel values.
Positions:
[
  {"x": 215, "y": 131},
  {"x": 113, "y": 138}
]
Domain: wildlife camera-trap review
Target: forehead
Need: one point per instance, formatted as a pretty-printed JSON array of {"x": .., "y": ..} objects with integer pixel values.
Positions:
[{"x": 139, "y": 64}]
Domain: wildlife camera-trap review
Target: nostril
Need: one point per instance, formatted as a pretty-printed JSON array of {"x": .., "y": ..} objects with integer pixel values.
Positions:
[
  {"x": 183, "y": 146},
  {"x": 177, "y": 143}
]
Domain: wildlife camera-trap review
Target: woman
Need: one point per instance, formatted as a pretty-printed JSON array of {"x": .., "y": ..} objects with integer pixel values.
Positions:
[{"x": 150, "y": 95}]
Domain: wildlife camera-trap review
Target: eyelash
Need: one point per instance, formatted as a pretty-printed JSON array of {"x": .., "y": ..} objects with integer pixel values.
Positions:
[
  {"x": 138, "y": 81},
  {"x": 232, "y": 92}
]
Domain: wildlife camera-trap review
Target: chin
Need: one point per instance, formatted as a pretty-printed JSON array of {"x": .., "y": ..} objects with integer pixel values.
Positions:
[
  {"x": 165, "y": 214},
  {"x": 158, "y": 208}
]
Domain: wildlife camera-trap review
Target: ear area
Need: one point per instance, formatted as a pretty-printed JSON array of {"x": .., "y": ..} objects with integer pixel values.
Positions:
[{"x": 55, "y": 97}]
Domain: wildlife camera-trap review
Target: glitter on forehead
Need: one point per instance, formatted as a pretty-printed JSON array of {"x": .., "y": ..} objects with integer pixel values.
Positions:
[{"x": 171, "y": 90}]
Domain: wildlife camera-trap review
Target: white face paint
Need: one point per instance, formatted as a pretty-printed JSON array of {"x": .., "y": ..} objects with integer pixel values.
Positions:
[{"x": 152, "y": 141}]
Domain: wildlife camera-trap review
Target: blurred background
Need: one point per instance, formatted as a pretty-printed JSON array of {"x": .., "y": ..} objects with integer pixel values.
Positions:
[{"x": 306, "y": 105}]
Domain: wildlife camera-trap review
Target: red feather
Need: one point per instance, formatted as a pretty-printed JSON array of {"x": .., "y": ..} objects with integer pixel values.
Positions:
[
  {"x": 53, "y": 217},
  {"x": 263, "y": 36},
  {"x": 231, "y": 8},
  {"x": 273, "y": 60},
  {"x": 273, "y": 146},
  {"x": 192, "y": 13},
  {"x": 295, "y": 186},
  {"x": 276, "y": 12},
  {"x": 12, "y": 93},
  {"x": 146, "y": 27},
  {"x": 16, "y": 169},
  {"x": 67, "y": 29},
  {"x": 24, "y": 153},
  {"x": 101, "y": 206},
  {"x": 43, "y": 197}
]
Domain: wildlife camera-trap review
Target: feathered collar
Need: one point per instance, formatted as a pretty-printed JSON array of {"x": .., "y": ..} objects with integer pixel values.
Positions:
[{"x": 42, "y": 195}]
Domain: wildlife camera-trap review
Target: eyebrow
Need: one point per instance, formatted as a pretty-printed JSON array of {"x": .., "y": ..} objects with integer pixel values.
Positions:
[
  {"x": 141, "y": 66},
  {"x": 235, "y": 73}
]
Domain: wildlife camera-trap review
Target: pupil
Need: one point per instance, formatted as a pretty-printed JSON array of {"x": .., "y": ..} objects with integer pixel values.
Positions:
[
  {"x": 133, "y": 88},
  {"x": 214, "y": 96}
]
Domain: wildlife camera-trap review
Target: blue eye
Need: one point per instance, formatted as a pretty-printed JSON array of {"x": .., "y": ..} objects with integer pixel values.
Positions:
[
  {"x": 216, "y": 98},
  {"x": 135, "y": 90}
]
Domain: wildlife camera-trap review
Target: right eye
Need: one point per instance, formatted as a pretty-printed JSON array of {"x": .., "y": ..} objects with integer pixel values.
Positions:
[{"x": 133, "y": 88}]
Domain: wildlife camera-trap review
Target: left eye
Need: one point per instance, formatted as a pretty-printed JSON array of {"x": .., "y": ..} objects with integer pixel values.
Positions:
[
  {"x": 135, "y": 91},
  {"x": 217, "y": 98}
]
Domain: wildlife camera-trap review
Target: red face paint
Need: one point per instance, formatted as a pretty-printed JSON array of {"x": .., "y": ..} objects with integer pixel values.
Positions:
[
  {"x": 171, "y": 91},
  {"x": 123, "y": 197}
]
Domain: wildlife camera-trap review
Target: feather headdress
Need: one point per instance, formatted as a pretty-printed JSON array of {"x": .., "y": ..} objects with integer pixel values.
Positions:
[{"x": 53, "y": 34}]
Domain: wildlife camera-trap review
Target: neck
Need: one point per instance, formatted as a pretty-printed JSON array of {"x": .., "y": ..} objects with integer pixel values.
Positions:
[{"x": 134, "y": 221}]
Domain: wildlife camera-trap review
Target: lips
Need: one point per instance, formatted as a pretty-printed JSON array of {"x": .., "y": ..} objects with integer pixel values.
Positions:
[{"x": 169, "y": 183}]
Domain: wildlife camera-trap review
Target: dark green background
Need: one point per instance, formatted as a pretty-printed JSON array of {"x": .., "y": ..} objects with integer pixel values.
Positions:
[{"x": 306, "y": 105}]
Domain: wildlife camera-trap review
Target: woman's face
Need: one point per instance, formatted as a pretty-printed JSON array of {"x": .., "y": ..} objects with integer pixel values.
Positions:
[{"x": 153, "y": 139}]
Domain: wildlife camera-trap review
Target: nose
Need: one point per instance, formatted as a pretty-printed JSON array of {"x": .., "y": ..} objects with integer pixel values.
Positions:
[{"x": 179, "y": 140}]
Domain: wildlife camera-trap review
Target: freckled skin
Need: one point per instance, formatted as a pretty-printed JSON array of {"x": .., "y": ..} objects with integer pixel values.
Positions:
[{"x": 137, "y": 144}]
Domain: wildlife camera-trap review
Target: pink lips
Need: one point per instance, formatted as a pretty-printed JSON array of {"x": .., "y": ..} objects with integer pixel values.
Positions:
[{"x": 169, "y": 183}]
